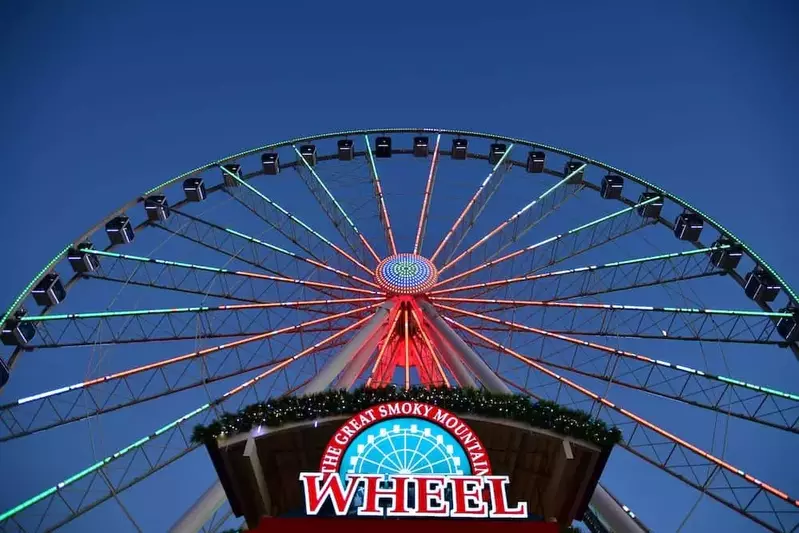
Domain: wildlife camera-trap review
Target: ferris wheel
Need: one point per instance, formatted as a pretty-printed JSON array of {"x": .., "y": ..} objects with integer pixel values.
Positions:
[
  {"x": 405, "y": 446},
  {"x": 400, "y": 256}
]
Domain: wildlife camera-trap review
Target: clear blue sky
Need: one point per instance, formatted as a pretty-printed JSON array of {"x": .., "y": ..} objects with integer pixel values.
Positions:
[{"x": 102, "y": 101}]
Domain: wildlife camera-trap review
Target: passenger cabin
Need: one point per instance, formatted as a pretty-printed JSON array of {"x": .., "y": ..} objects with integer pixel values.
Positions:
[
  {"x": 535, "y": 162},
  {"x": 383, "y": 147},
  {"x": 421, "y": 146},
  {"x": 460, "y": 148},
  {"x": 728, "y": 254},
  {"x": 611, "y": 187},
  {"x": 195, "y": 190},
  {"x": 653, "y": 208},
  {"x": 573, "y": 169},
  {"x": 157, "y": 208},
  {"x": 495, "y": 152},
  {"x": 4, "y": 372},
  {"x": 761, "y": 286},
  {"x": 270, "y": 162},
  {"x": 49, "y": 291},
  {"x": 788, "y": 327},
  {"x": 688, "y": 227},
  {"x": 82, "y": 261},
  {"x": 231, "y": 174},
  {"x": 119, "y": 230},
  {"x": 15, "y": 332},
  {"x": 346, "y": 150},
  {"x": 308, "y": 153}
]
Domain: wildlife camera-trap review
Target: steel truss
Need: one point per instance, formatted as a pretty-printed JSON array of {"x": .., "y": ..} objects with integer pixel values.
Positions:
[
  {"x": 677, "y": 382},
  {"x": 472, "y": 211},
  {"x": 256, "y": 252},
  {"x": 634, "y": 321},
  {"x": 540, "y": 305},
  {"x": 335, "y": 212},
  {"x": 727, "y": 484},
  {"x": 514, "y": 228},
  {"x": 287, "y": 224},
  {"x": 549, "y": 252},
  {"x": 79, "y": 493},
  {"x": 135, "y": 385}
]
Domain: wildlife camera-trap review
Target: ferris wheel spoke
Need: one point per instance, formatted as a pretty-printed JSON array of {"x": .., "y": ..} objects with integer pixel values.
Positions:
[
  {"x": 77, "y": 401},
  {"x": 100, "y": 470},
  {"x": 641, "y": 321},
  {"x": 334, "y": 210},
  {"x": 523, "y": 220},
  {"x": 284, "y": 222},
  {"x": 416, "y": 313},
  {"x": 163, "y": 273},
  {"x": 556, "y": 249},
  {"x": 428, "y": 192},
  {"x": 385, "y": 221},
  {"x": 381, "y": 367},
  {"x": 722, "y": 481},
  {"x": 752, "y": 402},
  {"x": 159, "y": 325},
  {"x": 473, "y": 209},
  {"x": 252, "y": 250},
  {"x": 608, "y": 277}
]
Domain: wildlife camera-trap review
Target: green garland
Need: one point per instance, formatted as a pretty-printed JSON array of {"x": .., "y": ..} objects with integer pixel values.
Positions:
[{"x": 286, "y": 409}]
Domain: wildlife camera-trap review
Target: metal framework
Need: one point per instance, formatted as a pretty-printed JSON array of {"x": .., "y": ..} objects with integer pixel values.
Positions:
[{"x": 271, "y": 296}]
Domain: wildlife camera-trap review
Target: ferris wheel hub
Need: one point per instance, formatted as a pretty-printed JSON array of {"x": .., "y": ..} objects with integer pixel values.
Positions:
[{"x": 406, "y": 274}]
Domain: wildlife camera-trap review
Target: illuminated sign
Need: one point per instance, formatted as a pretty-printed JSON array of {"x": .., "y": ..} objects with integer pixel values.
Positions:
[{"x": 421, "y": 459}]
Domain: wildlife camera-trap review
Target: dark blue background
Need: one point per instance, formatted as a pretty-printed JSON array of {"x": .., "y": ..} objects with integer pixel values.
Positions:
[{"x": 103, "y": 100}]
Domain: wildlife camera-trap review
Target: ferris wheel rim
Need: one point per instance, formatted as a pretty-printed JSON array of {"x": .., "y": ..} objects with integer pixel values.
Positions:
[
  {"x": 759, "y": 261},
  {"x": 216, "y": 164}
]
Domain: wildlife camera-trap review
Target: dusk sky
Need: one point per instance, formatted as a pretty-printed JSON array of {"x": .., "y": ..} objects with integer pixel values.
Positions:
[{"x": 105, "y": 100}]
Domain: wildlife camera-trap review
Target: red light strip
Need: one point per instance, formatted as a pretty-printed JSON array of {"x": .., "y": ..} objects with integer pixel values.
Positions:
[
  {"x": 217, "y": 348},
  {"x": 429, "y": 344},
  {"x": 293, "y": 358},
  {"x": 369, "y": 247},
  {"x": 353, "y": 260},
  {"x": 386, "y": 342},
  {"x": 476, "y": 245},
  {"x": 340, "y": 272},
  {"x": 305, "y": 282},
  {"x": 480, "y": 267},
  {"x": 407, "y": 354},
  {"x": 428, "y": 190},
  {"x": 460, "y": 218},
  {"x": 499, "y": 282},
  {"x": 657, "y": 429}
]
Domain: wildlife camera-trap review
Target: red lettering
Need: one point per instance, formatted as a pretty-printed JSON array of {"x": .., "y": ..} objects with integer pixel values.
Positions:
[
  {"x": 331, "y": 487},
  {"x": 430, "y": 496},
  {"x": 467, "y": 498},
  {"x": 396, "y": 491},
  {"x": 497, "y": 486}
]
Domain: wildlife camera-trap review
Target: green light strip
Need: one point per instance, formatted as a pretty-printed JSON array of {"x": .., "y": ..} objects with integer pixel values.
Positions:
[
  {"x": 33, "y": 282},
  {"x": 612, "y": 215},
  {"x": 277, "y": 206},
  {"x": 329, "y": 194},
  {"x": 96, "y": 466},
  {"x": 370, "y": 156},
  {"x": 466, "y": 133},
  {"x": 733, "y": 312},
  {"x": 260, "y": 242},
  {"x": 159, "y": 261},
  {"x": 666, "y": 256}
]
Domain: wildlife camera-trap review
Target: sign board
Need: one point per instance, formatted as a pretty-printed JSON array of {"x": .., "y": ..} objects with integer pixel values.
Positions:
[{"x": 406, "y": 458}]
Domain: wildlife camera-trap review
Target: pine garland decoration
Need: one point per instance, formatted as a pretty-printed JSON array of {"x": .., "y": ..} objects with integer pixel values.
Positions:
[{"x": 286, "y": 409}]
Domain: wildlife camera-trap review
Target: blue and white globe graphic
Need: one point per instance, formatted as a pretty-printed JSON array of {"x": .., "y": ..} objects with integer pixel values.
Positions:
[{"x": 405, "y": 446}]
